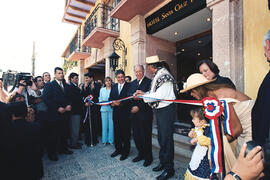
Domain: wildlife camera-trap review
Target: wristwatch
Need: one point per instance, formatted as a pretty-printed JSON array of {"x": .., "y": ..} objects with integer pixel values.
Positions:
[{"x": 235, "y": 175}]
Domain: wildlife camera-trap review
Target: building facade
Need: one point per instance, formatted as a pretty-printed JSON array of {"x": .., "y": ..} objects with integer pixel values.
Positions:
[{"x": 182, "y": 32}]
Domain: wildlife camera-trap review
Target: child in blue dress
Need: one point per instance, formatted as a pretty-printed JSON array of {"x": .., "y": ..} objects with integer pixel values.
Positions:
[{"x": 199, "y": 166}]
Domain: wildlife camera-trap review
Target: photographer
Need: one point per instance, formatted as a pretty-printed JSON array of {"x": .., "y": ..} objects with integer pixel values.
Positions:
[
  {"x": 26, "y": 87},
  {"x": 39, "y": 105}
]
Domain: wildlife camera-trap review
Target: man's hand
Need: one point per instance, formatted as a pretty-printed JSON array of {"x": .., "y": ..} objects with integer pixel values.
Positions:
[
  {"x": 86, "y": 84},
  {"x": 139, "y": 93},
  {"x": 135, "y": 109},
  {"x": 22, "y": 83},
  {"x": 251, "y": 166},
  {"x": 92, "y": 85},
  {"x": 116, "y": 103},
  {"x": 61, "y": 110},
  {"x": 135, "y": 97},
  {"x": 33, "y": 86},
  {"x": 68, "y": 108}
]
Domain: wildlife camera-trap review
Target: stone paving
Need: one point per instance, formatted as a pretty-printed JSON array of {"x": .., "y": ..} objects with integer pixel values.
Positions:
[{"x": 95, "y": 163}]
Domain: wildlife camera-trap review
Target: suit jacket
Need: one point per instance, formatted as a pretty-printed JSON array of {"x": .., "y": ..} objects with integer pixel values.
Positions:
[
  {"x": 54, "y": 98},
  {"x": 114, "y": 95},
  {"x": 260, "y": 112},
  {"x": 7, "y": 144},
  {"x": 223, "y": 80},
  {"x": 28, "y": 149},
  {"x": 144, "y": 86},
  {"x": 76, "y": 99},
  {"x": 94, "y": 92}
]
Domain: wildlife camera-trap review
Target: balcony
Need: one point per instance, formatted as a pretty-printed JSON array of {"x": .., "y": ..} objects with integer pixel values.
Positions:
[
  {"x": 127, "y": 9},
  {"x": 75, "y": 51},
  {"x": 77, "y": 10},
  {"x": 99, "y": 26}
]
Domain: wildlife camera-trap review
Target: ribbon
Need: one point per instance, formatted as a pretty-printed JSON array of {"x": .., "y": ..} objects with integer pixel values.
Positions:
[
  {"x": 212, "y": 110},
  {"x": 227, "y": 118},
  {"x": 86, "y": 115},
  {"x": 104, "y": 103}
]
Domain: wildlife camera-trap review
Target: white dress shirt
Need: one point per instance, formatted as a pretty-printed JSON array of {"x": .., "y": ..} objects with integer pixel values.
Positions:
[{"x": 120, "y": 87}]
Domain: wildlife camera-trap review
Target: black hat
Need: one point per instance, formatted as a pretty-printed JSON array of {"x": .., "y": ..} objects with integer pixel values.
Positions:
[{"x": 89, "y": 74}]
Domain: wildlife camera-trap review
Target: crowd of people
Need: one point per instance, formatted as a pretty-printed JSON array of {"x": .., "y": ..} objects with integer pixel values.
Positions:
[{"x": 53, "y": 116}]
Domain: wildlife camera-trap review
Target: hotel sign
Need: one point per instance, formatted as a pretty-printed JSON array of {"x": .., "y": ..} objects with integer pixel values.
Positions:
[{"x": 171, "y": 13}]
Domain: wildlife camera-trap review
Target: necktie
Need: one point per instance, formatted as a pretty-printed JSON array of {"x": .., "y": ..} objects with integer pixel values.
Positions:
[
  {"x": 120, "y": 88},
  {"x": 62, "y": 86}
]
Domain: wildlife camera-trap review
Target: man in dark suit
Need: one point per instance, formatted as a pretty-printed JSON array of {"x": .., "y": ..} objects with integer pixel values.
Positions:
[
  {"x": 7, "y": 144},
  {"x": 28, "y": 144},
  {"x": 121, "y": 120},
  {"x": 56, "y": 97},
  {"x": 76, "y": 111},
  {"x": 260, "y": 111},
  {"x": 142, "y": 118},
  {"x": 91, "y": 88}
]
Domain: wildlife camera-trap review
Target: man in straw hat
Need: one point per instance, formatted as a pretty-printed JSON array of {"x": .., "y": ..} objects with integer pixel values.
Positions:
[{"x": 163, "y": 87}]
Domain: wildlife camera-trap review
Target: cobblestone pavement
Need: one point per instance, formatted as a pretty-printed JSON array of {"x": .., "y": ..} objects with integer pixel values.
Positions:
[{"x": 95, "y": 163}]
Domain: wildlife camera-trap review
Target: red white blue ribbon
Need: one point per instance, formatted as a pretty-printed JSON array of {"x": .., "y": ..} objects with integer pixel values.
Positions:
[
  {"x": 227, "y": 118},
  {"x": 212, "y": 110},
  {"x": 89, "y": 98},
  {"x": 104, "y": 103}
]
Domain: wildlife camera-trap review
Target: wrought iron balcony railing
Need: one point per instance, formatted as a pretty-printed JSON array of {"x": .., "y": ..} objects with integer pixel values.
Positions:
[
  {"x": 100, "y": 17},
  {"x": 75, "y": 46}
]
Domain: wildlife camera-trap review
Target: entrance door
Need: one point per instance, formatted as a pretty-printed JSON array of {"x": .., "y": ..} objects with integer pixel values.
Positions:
[{"x": 189, "y": 52}]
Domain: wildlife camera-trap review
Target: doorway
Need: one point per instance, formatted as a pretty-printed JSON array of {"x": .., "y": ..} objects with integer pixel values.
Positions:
[{"x": 189, "y": 52}]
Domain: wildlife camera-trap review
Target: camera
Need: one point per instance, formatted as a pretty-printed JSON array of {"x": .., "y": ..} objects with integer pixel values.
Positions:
[
  {"x": 26, "y": 77},
  {"x": 266, "y": 152}
]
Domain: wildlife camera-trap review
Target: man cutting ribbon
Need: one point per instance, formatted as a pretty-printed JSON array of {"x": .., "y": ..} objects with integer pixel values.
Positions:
[{"x": 163, "y": 87}]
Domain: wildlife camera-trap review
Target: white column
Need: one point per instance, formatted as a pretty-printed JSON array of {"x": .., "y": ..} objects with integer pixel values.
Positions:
[
  {"x": 227, "y": 29},
  {"x": 138, "y": 39}
]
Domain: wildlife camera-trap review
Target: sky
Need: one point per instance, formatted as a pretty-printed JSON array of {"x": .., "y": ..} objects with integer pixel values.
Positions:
[{"x": 21, "y": 23}]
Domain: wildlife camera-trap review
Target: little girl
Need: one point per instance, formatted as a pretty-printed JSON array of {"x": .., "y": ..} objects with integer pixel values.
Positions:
[{"x": 199, "y": 166}]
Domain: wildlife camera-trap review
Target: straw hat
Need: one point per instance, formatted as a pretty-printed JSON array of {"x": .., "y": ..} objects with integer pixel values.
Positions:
[
  {"x": 195, "y": 80},
  {"x": 153, "y": 59}
]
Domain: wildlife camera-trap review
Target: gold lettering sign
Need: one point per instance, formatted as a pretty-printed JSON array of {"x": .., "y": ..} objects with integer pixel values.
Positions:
[
  {"x": 154, "y": 21},
  {"x": 178, "y": 7},
  {"x": 165, "y": 15},
  {"x": 174, "y": 9}
]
